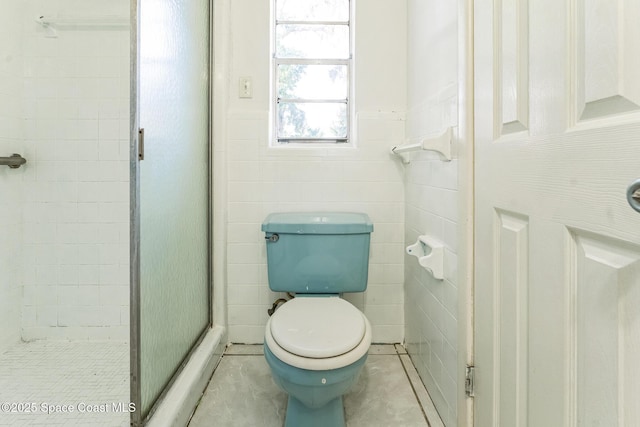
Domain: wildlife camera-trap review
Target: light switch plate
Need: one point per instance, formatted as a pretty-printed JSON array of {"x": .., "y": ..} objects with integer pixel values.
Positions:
[{"x": 245, "y": 87}]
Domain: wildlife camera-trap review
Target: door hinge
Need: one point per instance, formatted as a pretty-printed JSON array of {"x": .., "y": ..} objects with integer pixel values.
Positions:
[
  {"x": 141, "y": 144},
  {"x": 469, "y": 382}
]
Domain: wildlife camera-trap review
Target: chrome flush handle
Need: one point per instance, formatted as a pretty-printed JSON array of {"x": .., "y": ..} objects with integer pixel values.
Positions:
[
  {"x": 633, "y": 195},
  {"x": 273, "y": 238}
]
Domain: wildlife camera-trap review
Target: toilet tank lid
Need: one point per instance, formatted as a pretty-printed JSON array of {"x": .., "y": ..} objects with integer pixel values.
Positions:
[{"x": 318, "y": 223}]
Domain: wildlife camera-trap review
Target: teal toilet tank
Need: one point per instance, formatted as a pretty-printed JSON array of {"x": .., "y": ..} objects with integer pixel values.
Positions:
[{"x": 317, "y": 252}]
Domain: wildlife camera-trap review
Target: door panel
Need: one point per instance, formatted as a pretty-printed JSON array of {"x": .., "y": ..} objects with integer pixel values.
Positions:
[
  {"x": 557, "y": 134},
  {"x": 171, "y": 194},
  {"x": 606, "y": 49},
  {"x": 510, "y": 292},
  {"x": 605, "y": 279},
  {"x": 513, "y": 63},
  {"x": 174, "y": 96}
]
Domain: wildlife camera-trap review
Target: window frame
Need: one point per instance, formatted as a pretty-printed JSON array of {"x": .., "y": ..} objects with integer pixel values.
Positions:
[{"x": 277, "y": 61}]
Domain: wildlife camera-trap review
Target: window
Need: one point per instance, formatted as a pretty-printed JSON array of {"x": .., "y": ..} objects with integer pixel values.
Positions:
[{"x": 311, "y": 71}]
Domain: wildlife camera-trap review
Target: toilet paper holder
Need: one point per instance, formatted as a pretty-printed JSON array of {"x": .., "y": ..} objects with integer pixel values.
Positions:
[{"x": 433, "y": 260}]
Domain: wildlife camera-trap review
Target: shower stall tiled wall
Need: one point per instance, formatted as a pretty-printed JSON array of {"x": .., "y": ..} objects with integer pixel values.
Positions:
[
  {"x": 11, "y": 189},
  {"x": 68, "y": 115}
]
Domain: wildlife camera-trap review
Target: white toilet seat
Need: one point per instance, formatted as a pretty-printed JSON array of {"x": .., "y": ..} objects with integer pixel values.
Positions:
[
  {"x": 316, "y": 358},
  {"x": 317, "y": 327}
]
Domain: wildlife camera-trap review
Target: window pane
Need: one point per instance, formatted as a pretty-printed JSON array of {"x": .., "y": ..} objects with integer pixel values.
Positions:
[
  {"x": 312, "y": 10},
  {"x": 312, "y": 120},
  {"x": 312, "y": 41},
  {"x": 312, "y": 81}
]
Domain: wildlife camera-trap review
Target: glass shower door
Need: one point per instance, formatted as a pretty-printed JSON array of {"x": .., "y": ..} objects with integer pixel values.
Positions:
[{"x": 170, "y": 193}]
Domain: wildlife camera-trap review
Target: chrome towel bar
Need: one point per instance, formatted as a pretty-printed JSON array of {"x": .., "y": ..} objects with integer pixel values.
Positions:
[{"x": 14, "y": 161}]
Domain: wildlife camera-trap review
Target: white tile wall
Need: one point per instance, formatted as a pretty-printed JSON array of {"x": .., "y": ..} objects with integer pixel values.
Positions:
[
  {"x": 11, "y": 185},
  {"x": 261, "y": 180},
  {"x": 76, "y": 121},
  {"x": 431, "y": 200}
]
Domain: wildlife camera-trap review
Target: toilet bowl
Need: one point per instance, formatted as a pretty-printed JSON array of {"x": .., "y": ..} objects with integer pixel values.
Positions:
[{"x": 316, "y": 357}]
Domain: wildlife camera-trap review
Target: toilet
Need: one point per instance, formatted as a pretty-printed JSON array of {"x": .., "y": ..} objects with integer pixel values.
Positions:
[{"x": 316, "y": 343}]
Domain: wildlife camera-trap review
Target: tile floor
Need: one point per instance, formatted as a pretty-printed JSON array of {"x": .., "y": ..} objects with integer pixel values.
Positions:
[
  {"x": 241, "y": 391},
  {"x": 388, "y": 393},
  {"x": 80, "y": 374}
]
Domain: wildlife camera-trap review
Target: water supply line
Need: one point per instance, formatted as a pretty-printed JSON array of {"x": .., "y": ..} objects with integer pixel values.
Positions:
[{"x": 277, "y": 303}]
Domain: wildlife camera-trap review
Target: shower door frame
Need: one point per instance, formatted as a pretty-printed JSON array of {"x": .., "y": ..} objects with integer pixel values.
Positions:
[{"x": 134, "y": 212}]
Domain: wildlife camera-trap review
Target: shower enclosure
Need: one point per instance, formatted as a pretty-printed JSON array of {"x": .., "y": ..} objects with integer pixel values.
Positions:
[
  {"x": 70, "y": 333},
  {"x": 170, "y": 235}
]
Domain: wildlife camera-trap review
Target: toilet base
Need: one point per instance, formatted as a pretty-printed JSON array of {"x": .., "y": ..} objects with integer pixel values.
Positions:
[
  {"x": 314, "y": 397},
  {"x": 329, "y": 415}
]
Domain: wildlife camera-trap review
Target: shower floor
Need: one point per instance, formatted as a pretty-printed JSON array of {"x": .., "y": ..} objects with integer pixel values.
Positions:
[{"x": 88, "y": 377}]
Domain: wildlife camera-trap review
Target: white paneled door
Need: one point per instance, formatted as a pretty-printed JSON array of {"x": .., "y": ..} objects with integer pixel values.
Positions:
[{"x": 557, "y": 247}]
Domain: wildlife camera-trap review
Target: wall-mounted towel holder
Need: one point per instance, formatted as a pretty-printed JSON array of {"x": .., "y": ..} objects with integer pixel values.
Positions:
[
  {"x": 53, "y": 24},
  {"x": 431, "y": 260},
  {"x": 14, "y": 161},
  {"x": 440, "y": 144}
]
